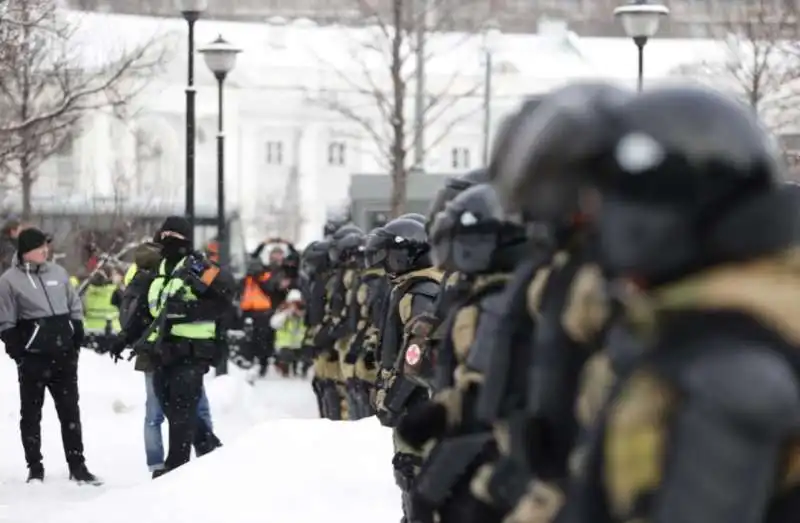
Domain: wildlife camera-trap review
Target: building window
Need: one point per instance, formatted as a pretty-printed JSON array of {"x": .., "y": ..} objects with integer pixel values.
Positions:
[
  {"x": 337, "y": 153},
  {"x": 459, "y": 158},
  {"x": 274, "y": 153}
]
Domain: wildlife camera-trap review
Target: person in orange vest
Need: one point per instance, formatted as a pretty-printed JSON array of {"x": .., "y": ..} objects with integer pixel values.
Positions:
[
  {"x": 212, "y": 251},
  {"x": 256, "y": 306}
]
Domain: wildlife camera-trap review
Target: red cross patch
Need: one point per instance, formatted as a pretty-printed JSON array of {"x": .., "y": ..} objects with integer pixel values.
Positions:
[{"x": 413, "y": 354}]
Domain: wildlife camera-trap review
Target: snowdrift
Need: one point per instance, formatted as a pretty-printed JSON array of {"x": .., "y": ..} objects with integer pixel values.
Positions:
[{"x": 283, "y": 471}]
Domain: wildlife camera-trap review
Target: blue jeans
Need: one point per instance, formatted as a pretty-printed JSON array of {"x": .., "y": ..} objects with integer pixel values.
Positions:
[{"x": 154, "y": 418}]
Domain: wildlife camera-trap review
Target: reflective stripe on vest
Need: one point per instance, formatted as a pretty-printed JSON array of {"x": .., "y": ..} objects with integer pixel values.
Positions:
[
  {"x": 129, "y": 274},
  {"x": 162, "y": 289},
  {"x": 291, "y": 335},
  {"x": 253, "y": 297}
]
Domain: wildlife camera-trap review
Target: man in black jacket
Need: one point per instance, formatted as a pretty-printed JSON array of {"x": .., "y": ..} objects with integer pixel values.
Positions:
[
  {"x": 41, "y": 324},
  {"x": 187, "y": 297},
  {"x": 135, "y": 319}
]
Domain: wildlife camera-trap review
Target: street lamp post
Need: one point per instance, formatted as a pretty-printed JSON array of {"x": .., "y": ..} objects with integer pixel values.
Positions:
[
  {"x": 191, "y": 11},
  {"x": 640, "y": 20},
  {"x": 490, "y": 37},
  {"x": 220, "y": 57}
]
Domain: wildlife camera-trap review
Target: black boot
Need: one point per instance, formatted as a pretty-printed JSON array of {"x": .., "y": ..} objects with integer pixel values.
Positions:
[
  {"x": 80, "y": 474},
  {"x": 35, "y": 473},
  {"x": 158, "y": 473}
]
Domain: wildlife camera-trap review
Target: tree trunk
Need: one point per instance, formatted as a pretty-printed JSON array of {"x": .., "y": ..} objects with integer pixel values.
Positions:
[
  {"x": 26, "y": 184},
  {"x": 399, "y": 173}
]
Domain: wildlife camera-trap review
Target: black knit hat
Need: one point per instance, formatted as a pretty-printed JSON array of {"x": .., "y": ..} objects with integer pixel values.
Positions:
[
  {"x": 176, "y": 224},
  {"x": 31, "y": 239}
]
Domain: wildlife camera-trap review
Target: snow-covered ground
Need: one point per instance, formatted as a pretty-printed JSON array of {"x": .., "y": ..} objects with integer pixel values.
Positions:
[{"x": 279, "y": 464}]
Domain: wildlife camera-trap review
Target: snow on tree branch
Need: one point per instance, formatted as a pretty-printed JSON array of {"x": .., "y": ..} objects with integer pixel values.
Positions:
[
  {"x": 760, "y": 60},
  {"x": 52, "y": 76},
  {"x": 380, "y": 78}
]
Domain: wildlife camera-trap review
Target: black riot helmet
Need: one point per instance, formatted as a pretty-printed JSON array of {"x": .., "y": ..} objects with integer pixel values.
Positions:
[
  {"x": 472, "y": 234},
  {"x": 693, "y": 180},
  {"x": 346, "y": 249},
  {"x": 315, "y": 257},
  {"x": 373, "y": 247},
  {"x": 549, "y": 160},
  {"x": 344, "y": 230},
  {"x": 452, "y": 188},
  {"x": 413, "y": 216},
  {"x": 400, "y": 246},
  {"x": 506, "y": 133}
]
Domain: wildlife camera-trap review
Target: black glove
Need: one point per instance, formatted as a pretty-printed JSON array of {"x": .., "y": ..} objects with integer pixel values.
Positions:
[
  {"x": 14, "y": 343},
  {"x": 117, "y": 348},
  {"x": 78, "y": 334},
  {"x": 423, "y": 423}
]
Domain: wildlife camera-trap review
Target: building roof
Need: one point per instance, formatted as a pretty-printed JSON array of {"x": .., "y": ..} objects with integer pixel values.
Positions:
[{"x": 270, "y": 51}]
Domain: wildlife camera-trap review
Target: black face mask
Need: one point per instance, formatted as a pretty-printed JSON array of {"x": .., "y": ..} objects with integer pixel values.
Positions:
[{"x": 174, "y": 249}]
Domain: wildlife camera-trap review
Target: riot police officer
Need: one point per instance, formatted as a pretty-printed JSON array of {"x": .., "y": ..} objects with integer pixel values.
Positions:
[
  {"x": 556, "y": 304},
  {"x": 316, "y": 265},
  {"x": 453, "y": 286},
  {"x": 696, "y": 221},
  {"x": 402, "y": 248},
  {"x": 186, "y": 297},
  {"x": 371, "y": 293},
  {"x": 334, "y": 401},
  {"x": 347, "y": 252},
  {"x": 472, "y": 237}
]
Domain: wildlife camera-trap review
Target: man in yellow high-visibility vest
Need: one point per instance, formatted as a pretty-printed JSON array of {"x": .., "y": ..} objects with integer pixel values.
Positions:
[{"x": 187, "y": 296}]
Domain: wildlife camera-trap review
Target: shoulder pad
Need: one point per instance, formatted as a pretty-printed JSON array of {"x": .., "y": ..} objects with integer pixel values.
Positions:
[
  {"x": 535, "y": 289},
  {"x": 426, "y": 288},
  {"x": 362, "y": 293},
  {"x": 452, "y": 279},
  {"x": 588, "y": 307},
  {"x": 753, "y": 384},
  {"x": 462, "y": 332}
]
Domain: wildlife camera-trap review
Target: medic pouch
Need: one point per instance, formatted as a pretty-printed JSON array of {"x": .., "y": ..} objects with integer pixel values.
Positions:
[
  {"x": 399, "y": 394},
  {"x": 448, "y": 462}
]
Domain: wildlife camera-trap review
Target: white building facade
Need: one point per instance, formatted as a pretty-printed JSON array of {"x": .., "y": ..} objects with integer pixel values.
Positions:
[{"x": 301, "y": 112}]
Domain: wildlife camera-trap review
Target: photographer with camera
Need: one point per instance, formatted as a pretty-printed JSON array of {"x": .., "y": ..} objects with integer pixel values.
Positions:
[
  {"x": 187, "y": 296},
  {"x": 290, "y": 328}
]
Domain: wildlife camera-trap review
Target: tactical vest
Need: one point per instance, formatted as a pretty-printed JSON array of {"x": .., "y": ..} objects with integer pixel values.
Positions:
[
  {"x": 365, "y": 299},
  {"x": 461, "y": 327},
  {"x": 399, "y": 312},
  {"x": 316, "y": 304},
  {"x": 98, "y": 308},
  {"x": 167, "y": 286},
  {"x": 452, "y": 293},
  {"x": 590, "y": 500},
  {"x": 350, "y": 284},
  {"x": 504, "y": 390}
]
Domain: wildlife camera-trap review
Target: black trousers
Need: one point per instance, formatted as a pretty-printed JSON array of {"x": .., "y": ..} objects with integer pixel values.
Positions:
[
  {"x": 178, "y": 387},
  {"x": 59, "y": 375},
  {"x": 262, "y": 345}
]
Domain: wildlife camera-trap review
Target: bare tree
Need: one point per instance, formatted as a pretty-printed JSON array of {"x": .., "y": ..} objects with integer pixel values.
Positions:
[
  {"x": 47, "y": 88},
  {"x": 396, "y": 42},
  {"x": 760, "y": 60}
]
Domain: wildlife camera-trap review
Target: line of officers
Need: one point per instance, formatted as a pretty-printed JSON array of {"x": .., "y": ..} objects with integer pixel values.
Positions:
[{"x": 603, "y": 326}]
